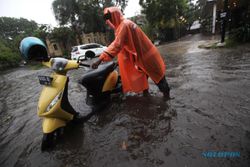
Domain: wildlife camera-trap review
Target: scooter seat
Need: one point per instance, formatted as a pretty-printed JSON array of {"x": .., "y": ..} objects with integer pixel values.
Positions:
[{"x": 94, "y": 79}]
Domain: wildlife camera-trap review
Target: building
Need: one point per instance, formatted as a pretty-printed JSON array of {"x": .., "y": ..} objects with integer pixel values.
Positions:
[
  {"x": 97, "y": 37},
  {"x": 54, "y": 48},
  {"x": 57, "y": 48}
]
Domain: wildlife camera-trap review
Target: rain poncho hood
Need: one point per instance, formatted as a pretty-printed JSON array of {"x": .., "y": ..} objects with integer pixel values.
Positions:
[
  {"x": 138, "y": 58},
  {"x": 116, "y": 16}
]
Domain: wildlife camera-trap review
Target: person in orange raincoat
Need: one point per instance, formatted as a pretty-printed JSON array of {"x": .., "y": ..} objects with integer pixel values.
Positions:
[{"x": 138, "y": 58}]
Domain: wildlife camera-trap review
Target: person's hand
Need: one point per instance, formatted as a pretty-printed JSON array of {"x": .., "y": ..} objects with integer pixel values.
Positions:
[{"x": 96, "y": 64}]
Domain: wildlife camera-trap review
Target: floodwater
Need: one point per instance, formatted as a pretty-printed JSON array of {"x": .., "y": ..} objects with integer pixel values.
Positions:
[{"x": 210, "y": 112}]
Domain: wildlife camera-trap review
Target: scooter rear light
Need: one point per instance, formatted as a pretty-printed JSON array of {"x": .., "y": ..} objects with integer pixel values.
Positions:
[{"x": 77, "y": 53}]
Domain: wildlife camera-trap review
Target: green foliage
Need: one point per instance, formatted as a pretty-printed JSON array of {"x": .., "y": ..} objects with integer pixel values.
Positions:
[
  {"x": 205, "y": 12},
  {"x": 42, "y": 32},
  {"x": 149, "y": 30},
  {"x": 35, "y": 65},
  {"x": 64, "y": 34},
  {"x": 12, "y": 31},
  {"x": 83, "y": 15},
  {"x": 240, "y": 24},
  {"x": 241, "y": 34},
  {"x": 7, "y": 56},
  {"x": 167, "y": 17},
  {"x": 230, "y": 43},
  {"x": 12, "y": 27}
]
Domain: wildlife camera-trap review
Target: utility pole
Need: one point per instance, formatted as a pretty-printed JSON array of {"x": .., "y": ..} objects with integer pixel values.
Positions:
[
  {"x": 224, "y": 16},
  {"x": 214, "y": 18},
  {"x": 213, "y": 2}
]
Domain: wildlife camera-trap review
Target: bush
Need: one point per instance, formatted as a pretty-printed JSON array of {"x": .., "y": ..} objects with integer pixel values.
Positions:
[
  {"x": 241, "y": 34},
  {"x": 7, "y": 56}
]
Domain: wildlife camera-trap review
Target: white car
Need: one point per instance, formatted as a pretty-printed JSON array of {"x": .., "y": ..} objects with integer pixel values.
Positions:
[{"x": 90, "y": 50}]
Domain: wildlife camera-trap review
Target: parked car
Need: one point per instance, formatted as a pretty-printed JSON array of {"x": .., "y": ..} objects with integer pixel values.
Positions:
[{"x": 91, "y": 49}]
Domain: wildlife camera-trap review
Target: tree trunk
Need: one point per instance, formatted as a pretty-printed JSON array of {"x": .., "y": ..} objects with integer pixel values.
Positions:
[{"x": 78, "y": 35}]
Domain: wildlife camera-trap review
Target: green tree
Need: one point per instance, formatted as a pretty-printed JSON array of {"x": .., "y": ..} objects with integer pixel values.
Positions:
[
  {"x": 192, "y": 13},
  {"x": 8, "y": 57},
  {"x": 67, "y": 12},
  {"x": 12, "y": 31},
  {"x": 166, "y": 16},
  {"x": 12, "y": 27},
  {"x": 83, "y": 15},
  {"x": 43, "y": 31},
  {"x": 239, "y": 25}
]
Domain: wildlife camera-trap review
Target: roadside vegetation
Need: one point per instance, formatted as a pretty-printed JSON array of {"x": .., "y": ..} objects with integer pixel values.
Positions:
[
  {"x": 12, "y": 30},
  {"x": 7, "y": 56},
  {"x": 240, "y": 24}
]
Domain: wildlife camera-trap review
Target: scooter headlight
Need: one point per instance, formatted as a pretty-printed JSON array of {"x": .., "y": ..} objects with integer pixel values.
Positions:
[{"x": 54, "y": 101}]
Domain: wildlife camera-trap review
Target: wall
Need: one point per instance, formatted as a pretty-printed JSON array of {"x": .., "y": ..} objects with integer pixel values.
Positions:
[{"x": 54, "y": 48}]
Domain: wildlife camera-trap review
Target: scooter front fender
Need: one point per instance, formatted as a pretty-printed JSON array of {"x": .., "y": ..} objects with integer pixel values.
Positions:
[{"x": 51, "y": 124}]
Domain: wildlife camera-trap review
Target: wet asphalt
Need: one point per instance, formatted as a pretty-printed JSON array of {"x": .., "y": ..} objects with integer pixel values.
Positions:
[{"x": 210, "y": 112}]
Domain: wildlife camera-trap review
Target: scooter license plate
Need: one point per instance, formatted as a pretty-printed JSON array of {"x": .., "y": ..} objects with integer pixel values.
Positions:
[{"x": 45, "y": 80}]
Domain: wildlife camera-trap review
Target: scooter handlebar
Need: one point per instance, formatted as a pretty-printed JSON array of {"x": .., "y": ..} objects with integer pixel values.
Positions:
[
  {"x": 84, "y": 65},
  {"x": 89, "y": 66}
]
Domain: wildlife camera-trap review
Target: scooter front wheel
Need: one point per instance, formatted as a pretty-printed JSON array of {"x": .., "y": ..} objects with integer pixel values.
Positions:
[{"x": 47, "y": 141}]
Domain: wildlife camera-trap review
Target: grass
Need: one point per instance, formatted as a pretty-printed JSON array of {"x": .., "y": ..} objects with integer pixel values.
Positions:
[
  {"x": 209, "y": 46},
  {"x": 35, "y": 66},
  {"x": 229, "y": 43}
]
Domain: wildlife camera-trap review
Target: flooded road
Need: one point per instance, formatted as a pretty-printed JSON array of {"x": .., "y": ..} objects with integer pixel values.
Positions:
[{"x": 210, "y": 112}]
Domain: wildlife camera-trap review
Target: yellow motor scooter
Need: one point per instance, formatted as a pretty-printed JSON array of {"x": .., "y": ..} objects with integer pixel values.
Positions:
[{"x": 53, "y": 104}]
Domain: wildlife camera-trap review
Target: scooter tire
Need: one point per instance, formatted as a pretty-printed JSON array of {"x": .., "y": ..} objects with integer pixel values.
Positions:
[{"x": 47, "y": 141}]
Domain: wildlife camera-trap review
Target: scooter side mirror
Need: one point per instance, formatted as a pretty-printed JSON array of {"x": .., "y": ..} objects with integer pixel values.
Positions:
[
  {"x": 80, "y": 58},
  {"x": 33, "y": 48}
]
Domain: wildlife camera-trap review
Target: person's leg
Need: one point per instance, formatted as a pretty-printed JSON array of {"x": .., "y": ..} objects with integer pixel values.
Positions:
[
  {"x": 146, "y": 92},
  {"x": 164, "y": 88}
]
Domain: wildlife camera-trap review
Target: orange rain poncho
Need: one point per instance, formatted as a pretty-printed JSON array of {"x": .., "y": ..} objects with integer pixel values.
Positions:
[{"x": 137, "y": 56}]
